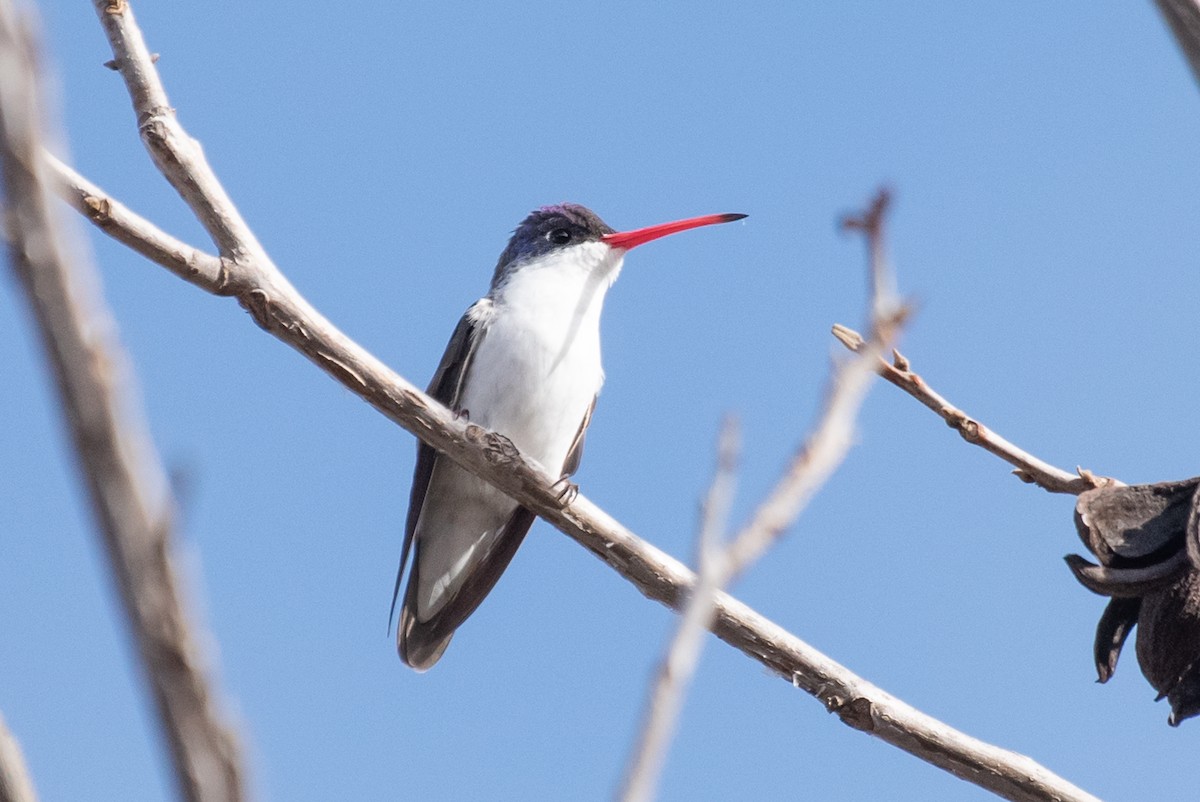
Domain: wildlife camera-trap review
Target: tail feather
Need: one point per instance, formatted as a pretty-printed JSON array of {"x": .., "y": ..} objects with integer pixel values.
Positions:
[
  {"x": 421, "y": 643},
  {"x": 417, "y": 649}
]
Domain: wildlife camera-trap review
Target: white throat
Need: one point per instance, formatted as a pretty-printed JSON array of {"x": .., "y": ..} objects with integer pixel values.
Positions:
[{"x": 557, "y": 299}]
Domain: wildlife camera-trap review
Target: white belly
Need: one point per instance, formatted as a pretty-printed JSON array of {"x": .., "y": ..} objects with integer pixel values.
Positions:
[{"x": 533, "y": 384}]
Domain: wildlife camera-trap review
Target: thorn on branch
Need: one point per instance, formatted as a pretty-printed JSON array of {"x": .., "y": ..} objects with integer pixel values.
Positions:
[
  {"x": 1092, "y": 479},
  {"x": 101, "y": 208},
  {"x": 115, "y": 64}
]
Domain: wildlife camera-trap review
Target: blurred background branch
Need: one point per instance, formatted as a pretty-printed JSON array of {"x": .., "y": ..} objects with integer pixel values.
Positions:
[
  {"x": 127, "y": 484},
  {"x": 15, "y": 785},
  {"x": 718, "y": 563}
]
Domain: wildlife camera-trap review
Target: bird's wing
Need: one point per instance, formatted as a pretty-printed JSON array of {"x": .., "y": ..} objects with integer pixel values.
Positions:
[
  {"x": 425, "y": 640},
  {"x": 422, "y": 642},
  {"x": 446, "y": 387},
  {"x": 571, "y": 463}
]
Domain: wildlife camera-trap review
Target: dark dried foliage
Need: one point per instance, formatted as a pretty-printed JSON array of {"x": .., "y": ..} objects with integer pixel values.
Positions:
[{"x": 1147, "y": 541}]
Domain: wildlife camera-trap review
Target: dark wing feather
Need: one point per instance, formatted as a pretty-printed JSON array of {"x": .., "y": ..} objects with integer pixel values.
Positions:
[
  {"x": 575, "y": 455},
  {"x": 445, "y": 387},
  {"x": 422, "y": 642}
]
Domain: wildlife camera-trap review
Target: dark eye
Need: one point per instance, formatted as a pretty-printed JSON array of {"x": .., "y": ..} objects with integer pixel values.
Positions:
[{"x": 559, "y": 236}]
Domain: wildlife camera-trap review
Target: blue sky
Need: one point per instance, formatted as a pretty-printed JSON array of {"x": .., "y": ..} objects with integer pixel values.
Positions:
[{"x": 1044, "y": 161}]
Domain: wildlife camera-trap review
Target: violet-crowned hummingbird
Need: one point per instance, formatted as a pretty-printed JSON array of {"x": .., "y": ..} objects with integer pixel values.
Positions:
[{"x": 524, "y": 362}]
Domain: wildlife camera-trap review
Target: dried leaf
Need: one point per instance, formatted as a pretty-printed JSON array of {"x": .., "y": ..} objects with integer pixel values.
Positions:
[
  {"x": 1136, "y": 522},
  {"x": 1115, "y": 625},
  {"x": 1168, "y": 644},
  {"x": 1147, "y": 539}
]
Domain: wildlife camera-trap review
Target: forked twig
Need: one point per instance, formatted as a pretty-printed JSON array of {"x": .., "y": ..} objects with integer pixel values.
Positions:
[
  {"x": 833, "y": 435},
  {"x": 823, "y": 451},
  {"x": 139, "y": 234}
]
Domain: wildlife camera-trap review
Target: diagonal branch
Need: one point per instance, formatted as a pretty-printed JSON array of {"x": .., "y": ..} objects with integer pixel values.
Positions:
[
  {"x": 113, "y": 218},
  {"x": 127, "y": 484},
  {"x": 278, "y": 308},
  {"x": 1028, "y": 468}
]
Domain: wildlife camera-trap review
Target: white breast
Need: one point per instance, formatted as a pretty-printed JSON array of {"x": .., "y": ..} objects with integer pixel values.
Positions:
[{"x": 538, "y": 366}]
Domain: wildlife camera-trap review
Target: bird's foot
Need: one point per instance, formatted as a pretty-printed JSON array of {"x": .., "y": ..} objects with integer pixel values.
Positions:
[
  {"x": 566, "y": 491},
  {"x": 499, "y": 449},
  {"x": 462, "y": 414}
]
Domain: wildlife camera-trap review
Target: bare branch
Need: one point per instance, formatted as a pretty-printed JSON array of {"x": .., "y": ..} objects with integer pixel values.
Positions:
[
  {"x": 124, "y": 477},
  {"x": 884, "y": 303},
  {"x": 278, "y": 308},
  {"x": 1028, "y": 467},
  {"x": 178, "y": 157},
  {"x": 872, "y": 711},
  {"x": 833, "y": 435},
  {"x": 1183, "y": 18},
  {"x": 113, "y": 218},
  {"x": 15, "y": 785},
  {"x": 679, "y": 663}
]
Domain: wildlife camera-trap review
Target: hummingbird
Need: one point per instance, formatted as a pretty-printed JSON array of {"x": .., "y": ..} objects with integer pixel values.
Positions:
[{"x": 524, "y": 362}]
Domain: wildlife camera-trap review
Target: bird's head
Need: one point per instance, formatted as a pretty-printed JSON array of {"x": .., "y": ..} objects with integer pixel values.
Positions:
[{"x": 569, "y": 228}]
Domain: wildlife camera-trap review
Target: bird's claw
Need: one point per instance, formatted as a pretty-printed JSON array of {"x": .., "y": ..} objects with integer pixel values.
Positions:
[
  {"x": 500, "y": 449},
  {"x": 566, "y": 491}
]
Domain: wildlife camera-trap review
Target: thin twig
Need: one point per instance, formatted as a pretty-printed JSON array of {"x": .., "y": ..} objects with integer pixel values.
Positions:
[
  {"x": 822, "y": 452},
  {"x": 279, "y": 309},
  {"x": 128, "y": 487},
  {"x": 178, "y": 157},
  {"x": 113, "y": 218},
  {"x": 831, "y": 438},
  {"x": 679, "y": 663},
  {"x": 884, "y": 300},
  {"x": 15, "y": 785},
  {"x": 1028, "y": 468}
]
